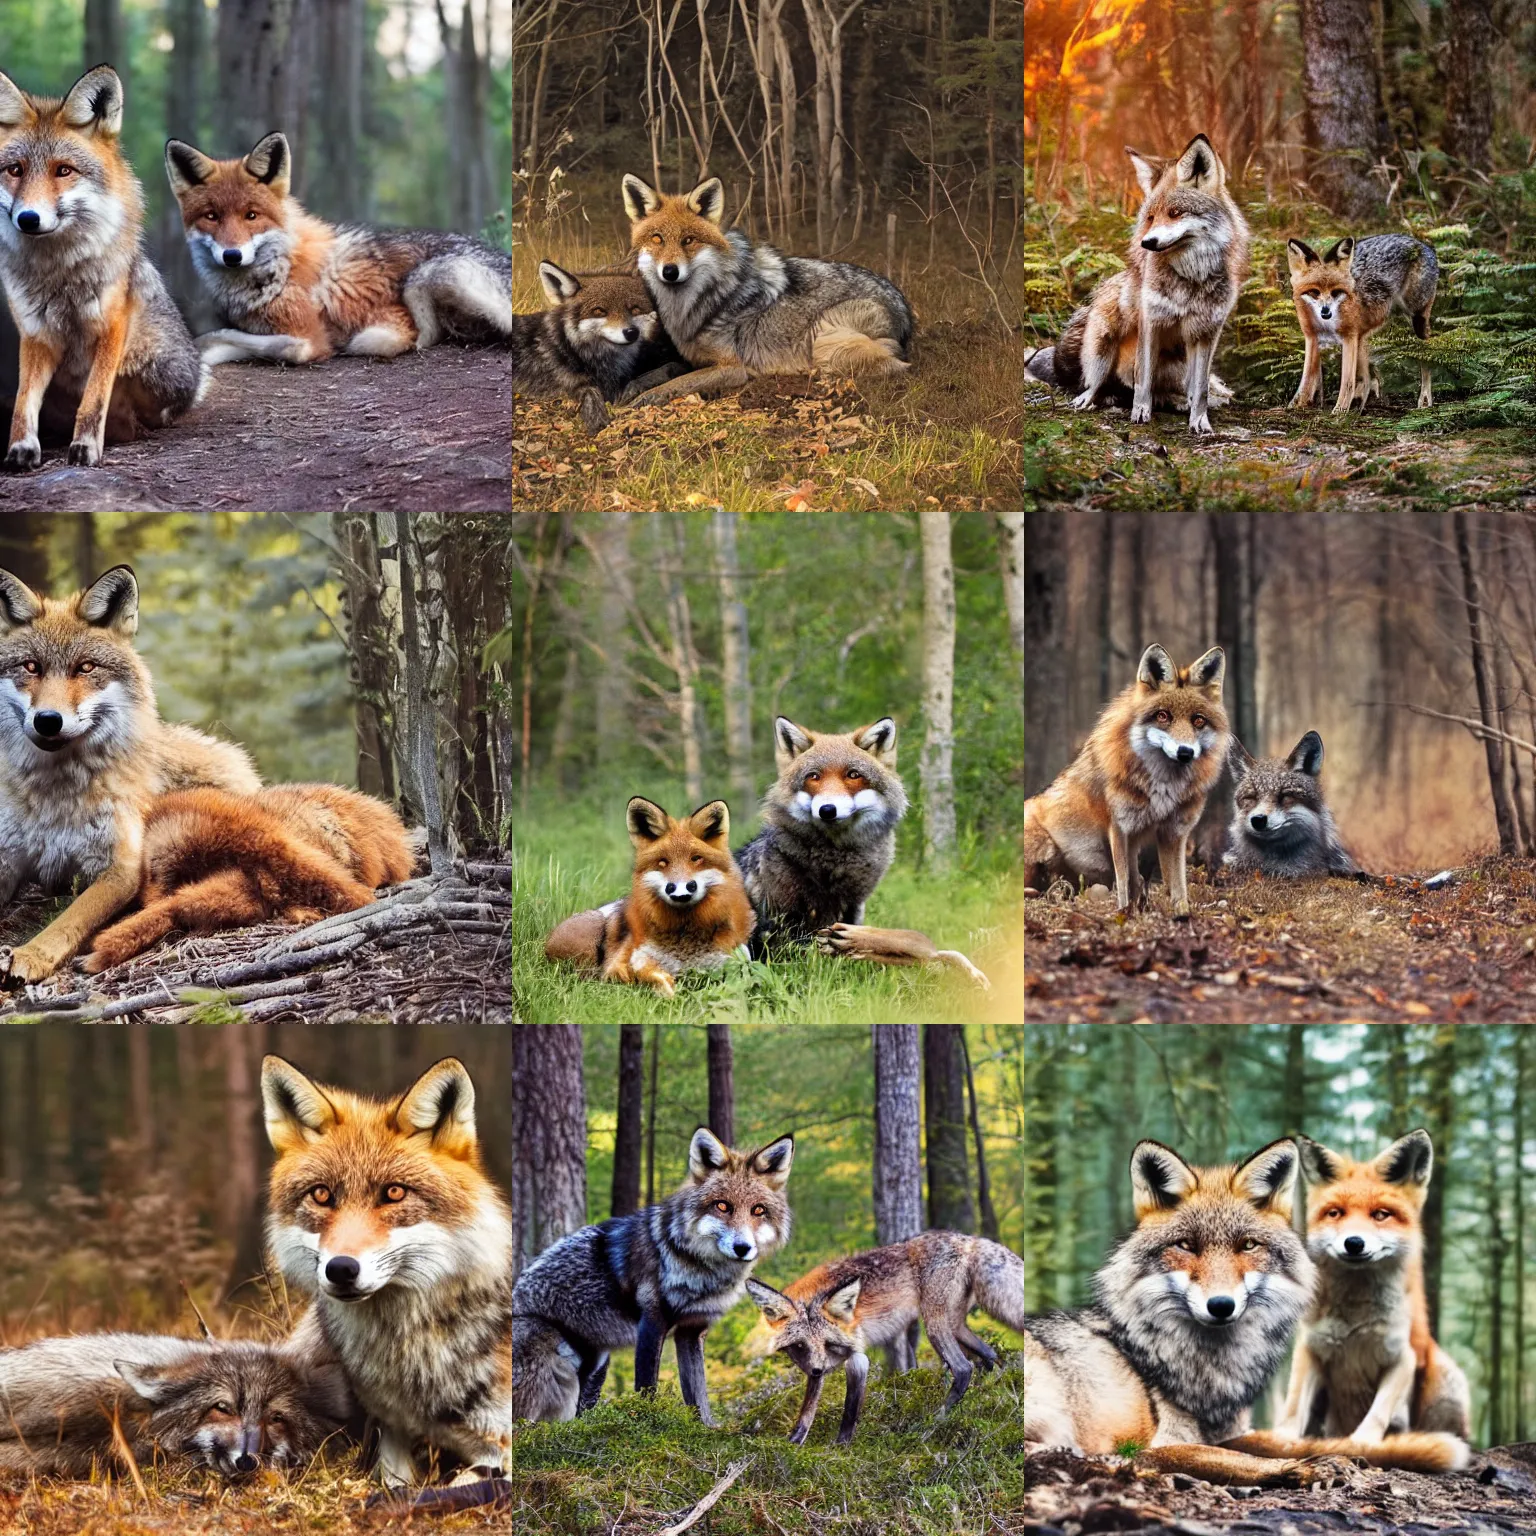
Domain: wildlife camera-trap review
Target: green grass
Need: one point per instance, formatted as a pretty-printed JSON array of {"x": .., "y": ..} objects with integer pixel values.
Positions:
[
  {"x": 571, "y": 857},
  {"x": 907, "y": 1472}
]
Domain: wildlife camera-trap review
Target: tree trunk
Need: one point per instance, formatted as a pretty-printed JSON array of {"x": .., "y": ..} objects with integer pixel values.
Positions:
[
  {"x": 1010, "y": 555},
  {"x": 549, "y": 1138},
  {"x": 650, "y": 1118},
  {"x": 265, "y": 49},
  {"x": 187, "y": 23},
  {"x": 1341, "y": 84},
  {"x": 1441, "y": 1104},
  {"x": 898, "y": 1167},
  {"x": 249, "y": 1153},
  {"x": 685, "y": 661},
  {"x": 419, "y": 537},
  {"x": 626, "y": 1141},
  {"x": 734, "y": 662},
  {"x": 1469, "y": 96},
  {"x": 1045, "y": 646},
  {"x": 370, "y": 649},
  {"x": 937, "y": 767},
  {"x": 722, "y": 1089},
  {"x": 104, "y": 38},
  {"x": 341, "y": 180},
  {"x": 989, "y": 1224},
  {"x": 614, "y": 721},
  {"x": 949, "y": 1183},
  {"x": 1517, "y": 1220},
  {"x": 1106, "y": 580}
]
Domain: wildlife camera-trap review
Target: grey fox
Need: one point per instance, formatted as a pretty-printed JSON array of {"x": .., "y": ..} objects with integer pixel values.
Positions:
[{"x": 1280, "y": 823}]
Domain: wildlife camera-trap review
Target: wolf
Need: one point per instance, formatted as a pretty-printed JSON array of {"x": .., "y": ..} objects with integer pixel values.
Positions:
[
  {"x": 236, "y": 1406},
  {"x": 1280, "y": 823},
  {"x": 1366, "y": 1364},
  {"x": 1193, "y": 1313},
  {"x": 598, "y": 341},
  {"x": 97, "y": 326},
  {"x": 1144, "y": 774},
  {"x": 735, "y": 308},
  {"x": 677, "y": 1266},
  {"x": 84, "y": 754},
  {"x": 687, "y": 909},
  {"x": 1155, "y": 326},
  {"x": 293, "y": 852},
  {"x": 835, "y": 1314},
  {"x": 383, "y": 1214},
  {"x": 1346, "y": 295},
  {"x": 294, "y": 289}
]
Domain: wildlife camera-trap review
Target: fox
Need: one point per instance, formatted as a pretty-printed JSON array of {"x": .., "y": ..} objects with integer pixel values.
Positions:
[
  {"x": 1151, "y": 331},
  {"x": 687, "y": 909},
  {"x": 237, "y": 1407},
  {"x": 295, "y": 289},
  {"x": 84, "y": 754},
  {"x": 1366, "y": 1365},
  {"x": 383, "y": 1215},
  {"x": 98, "y": 328},
  {"x": 1346, "y": 295},
  {"x": 1280, "y": 823},
  {"x": 1193, "y": 1313},
  {"x": 598, "y": 341},
  {"x": 735, "y": 308},
  {"x": 828, "y": 837},
  {"x": 675, "y": 1267},
  {"x": 835, "y": 1314},
  {"x": 1143, "y": 775},
  {"x": 292, "y": 852}
]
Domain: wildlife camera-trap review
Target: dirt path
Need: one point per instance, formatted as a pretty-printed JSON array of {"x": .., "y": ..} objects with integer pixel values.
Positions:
[
  {"x": 427, "y": 430},
  {"x": 1329, "y": 951}
]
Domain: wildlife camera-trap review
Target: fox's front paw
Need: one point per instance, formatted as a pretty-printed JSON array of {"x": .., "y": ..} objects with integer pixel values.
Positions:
[
  {"x": 1141, "y": 411},
  {"x": 37, "y": 961},
  {"x": 25, "y": 453},
  {"x": 85, "y": 452},
  {"x": 1200, "y": 425},
  {"x": 1344, "y": 407},
  {"x": 799, "y": 1434},
  {"x": 1084, "y": 402}
]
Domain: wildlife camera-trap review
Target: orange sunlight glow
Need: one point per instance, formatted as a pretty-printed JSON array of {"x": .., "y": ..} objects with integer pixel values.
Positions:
[{"x": 1101, "y": 25}]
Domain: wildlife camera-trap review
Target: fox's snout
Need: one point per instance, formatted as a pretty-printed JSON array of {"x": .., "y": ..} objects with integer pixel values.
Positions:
[
  {"x": 1258, "y": 821},
  {"x": 342, "y": 1271},
  {"x": 234, "y": 258},
  {"x": 672, "y": 273}
]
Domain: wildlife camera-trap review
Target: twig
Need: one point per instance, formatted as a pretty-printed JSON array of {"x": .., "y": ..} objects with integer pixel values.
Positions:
[
  {"x": 1477, "y": 728},
  {"x": 710, "y": 1499}
]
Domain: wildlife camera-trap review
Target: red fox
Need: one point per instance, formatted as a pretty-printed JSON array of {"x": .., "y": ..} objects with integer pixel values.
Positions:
[
  {"x": 686, "y": 911},
  {"x": 1144, "y": 773},
  {"x": 295, "y": 289},
  {"x": 293, "y": 852}
]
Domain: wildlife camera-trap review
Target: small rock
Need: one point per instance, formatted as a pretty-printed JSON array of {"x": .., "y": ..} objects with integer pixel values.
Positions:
[
  {"x": 1439, "y": 882},
  {"x": 1184, "y": 1482}
]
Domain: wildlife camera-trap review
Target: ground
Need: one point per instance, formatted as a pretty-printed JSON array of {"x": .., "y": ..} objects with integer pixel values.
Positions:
[
  {"x": 1076, "y": 1494},
  {"x": 1267, "y": 459},
  {"x": 1301, "y": 951},
  {"x": 427, "y": 430}
]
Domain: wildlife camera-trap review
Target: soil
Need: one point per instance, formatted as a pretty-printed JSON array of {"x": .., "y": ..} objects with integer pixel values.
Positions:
[
  {"x": 1071, "y": 1494},
  {"x": 425, "y": 431},
  {"x": 1386, "y": 949}
]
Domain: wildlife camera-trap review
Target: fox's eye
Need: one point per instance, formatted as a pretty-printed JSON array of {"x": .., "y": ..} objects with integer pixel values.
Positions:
[
  {"x": 656, "y": 238},
  {"x": 86, "y": 666},
  {"x": 1198, "y": 721},
  {"x": 223, "y": 1406},
  {"x": 1184, "y": 1245},
  {"x": 277, "y": 1421},
  {"x": 697, "y": 859},
  {"x": 1162, "y": 717},
  {"x": 211, "y": 218},
  {"x": 64, "y": 170},
  {"x": 1333, "y": 1213},
  {"x": 1310, "y": 293},
  {"x": 813, "y": 778},
  {"x": 1381, "y": 1215},
  {"x": 1248, "y": 1244},
  {"x": 853, "y": 773},
  {"x": 250, "y": 213},
  {"x": 758, "y": 1210},
  {"x": 394, "y": 1194},
  {"x": 15, "y": 168},
  {"x": 661, "y": 863},
  {"x": 1340, "y": 293},
  {"x": 723, "y": 1206},
  {"x": 32, "y": 667},
  {"x": 687, "y": 239},
  {"x": 321, "y": 1194}
]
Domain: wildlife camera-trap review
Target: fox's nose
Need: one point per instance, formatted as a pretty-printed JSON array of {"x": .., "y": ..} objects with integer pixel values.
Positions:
[
  {"x": 631, "y": 332},
  {"x": 1326, "y": 313},
  {"x": 817, "y": 1373},
  {"x": 245, "y": 1462},
  {"x": 343, "y": 1270},
  {"x": 47, "y": 722},
  {"x": 1258, "y": 821},
  {"x": 1220, "y": 1307},
  {"x": 1186, "y": 754},
  {"x": 1354, "y": 1245},
  {"x": 669, "y": 273},
  {"x": 232, "y": 258},
  {"x": 1150, "y": 243},
  {"x": 28, "y": 221},
  {"x": 828, "y": 813},
  {"x": 743, "y": 1248}
]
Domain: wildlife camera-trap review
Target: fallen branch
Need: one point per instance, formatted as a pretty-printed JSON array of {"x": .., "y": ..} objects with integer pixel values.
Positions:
[
  {"x": 493, "y": 874},
  {"x": 710, "y": 1499}
]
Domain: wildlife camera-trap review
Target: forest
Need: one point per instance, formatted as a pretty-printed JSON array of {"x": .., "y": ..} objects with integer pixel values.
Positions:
[
  {"x": 1346, "y": 118},
  {"x": 652, "y": 655},
  {"x": 397, "y": 114},
  {"x": 895, "y": 1130},
  {"x": 1215, "y": 1094},
  {"x": 1407, "y": 643},
  {"x": 887, "y": 133}
]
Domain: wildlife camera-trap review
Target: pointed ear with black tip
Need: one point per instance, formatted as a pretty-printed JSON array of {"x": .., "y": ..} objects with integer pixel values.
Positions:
[
  {"x": 1268, "y": 1178},
  {"x": 1299, "y": 255},
  {"x": 789, "y": 741},
  {"x": 1200, "y": 166},
  {"x": 297, "y": 1111},
  {"x": 1409, "y": 1160},
  {"x": 775, "y": 1306},
  {"x": 112, "y": 601},
  {"x": 559, "y": 285},
  {"x": 1156, "y": 669},
  {"x": 1147, "y": 167},
  {"x": 772, "y": 1163},
  {"x": 707, "y": 1154},
  {"x": 271, "y": 163},
  {"x": 1207, "y": 671},
  {"x": 1160, "y": 1178},
  {"x": 1322, "y": 1165},
  {"x": 19, "y": 604},
  {"x": 95, "y": 103},
  {"x": 186, "y": 167},
  {"x": 712, "y": 824},
  {"x": 1341, "y": 254},
  {"x": 879, "y": 740},
  {"x": 440, "y": 1105},
  {"x": 15, "y": 104},
  {"x": 641, "y": 199},
  {"x": 708, "y": 200},
  {"x": 646, "y": 821},
  {"x": 1307, "y": 755},
  {"x": 1240, "y": 757},
  {"x": 841, "y": 1305}
]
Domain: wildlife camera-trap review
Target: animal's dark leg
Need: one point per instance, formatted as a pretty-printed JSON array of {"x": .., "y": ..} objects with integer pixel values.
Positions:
[
  {"x": 590, "y": 1376},
  {"x": 858, "y": 1376},
  {"x": 954, "y": 1357},
  {"x": 690, "y": 1371},
  {"x": 813, "y": 1385},
  {"x": 977, "y": 1346},
  {"x": 648, "y": 1341}
]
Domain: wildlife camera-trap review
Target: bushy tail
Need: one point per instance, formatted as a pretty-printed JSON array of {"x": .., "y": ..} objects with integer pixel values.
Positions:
[
  {"x": 1042, "y": 365},
  {"x": 997, "y": 1284},
  {"x": 841, "y": 349},
  {"x": 1415, "y": 1451},
  {"x": 544, "y": 1385}
]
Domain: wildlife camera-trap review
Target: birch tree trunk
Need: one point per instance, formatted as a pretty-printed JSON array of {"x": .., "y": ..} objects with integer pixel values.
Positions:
[
  {"x": 898, "y": 1166},
  {"x": 937, "y": 767},
  {"x": 418, "y": 538},
  {"x": 1010, "y": 558},
  {"x": 735, "y": 661},
  {"x": 549, "y": 1138},
  {"x": 685, "y": 661}
]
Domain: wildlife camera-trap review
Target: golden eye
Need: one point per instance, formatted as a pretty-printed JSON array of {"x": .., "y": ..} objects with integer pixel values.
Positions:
[
  {"x": 86, "y": 666},
  {"x": 321, "y": 1194},
  {"x": 1184, "y": 1245},
  {"x": 758, "y": 1210},
  {"x": 656, "y": 239},
  {"x": 1163, "y": 717},
  {"x": 723, "y": 1206},
  {"x": 394, "y": 1194},
  {"x": 32, "y": 667}
]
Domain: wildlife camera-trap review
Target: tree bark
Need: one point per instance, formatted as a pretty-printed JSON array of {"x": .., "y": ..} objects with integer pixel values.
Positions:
[
  {"x": 613, "y": 691},
  {"x": 265, "y": 49},
  {"x": 722, "y": 1088},
  {"x": 1010, "y": 556},
  {"x": 1341, "y": 85},
  {"x": 418, "y": 540},
  {"x": 650, "y": 1118},
  {"x": 898, "y": 1169},
  {"x": 937, "y": 767},
  {"x": 1469, "y": 94},
  {"x": 627, "y": 1137},
  {"x": 104, "y": 37},
  {"x": 949, "y": 1183},
  {"x": 549, "y": 1138},
  {"x": 734, "y": 662},
  {"x": 341, "y": 185},
  {"x": 370, "y": 650},
  {"x": 1045, "y": 645},
  {"x": 989, "y": 1223},
  {"x": 1441, "y": 1105}
]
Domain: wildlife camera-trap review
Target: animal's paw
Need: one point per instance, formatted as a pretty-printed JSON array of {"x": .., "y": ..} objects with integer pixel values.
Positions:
[
  {"x": 35, "y": 961},
  {"x": 1298, "y": 402},
  {"x": 1084, "y": 402},
  {"x": 1322, "y": 1472},
  {"x": 94, "y": 963},
  {"x": 839, "y": 939},
  {"x": 1343, "y": 408},
  {"x": 84, "y": 451},
  {"x": 799, "y": 1435},
  {"x": 1200, "y": 425},
  {"x": 26, "y": 453},
  {"x": 1141, "y": 411}
]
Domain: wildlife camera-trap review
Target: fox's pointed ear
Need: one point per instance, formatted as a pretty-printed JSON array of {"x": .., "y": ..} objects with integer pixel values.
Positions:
[
  {"x": 879, "y": 740},
  {"x": 1147, "y": 167},
  {"x": 789, "y": 741},
  {"x": 15, "y": 108},
  {"x": 707, "y": 1154},
  {"x": 712, "y": 823},
  {"x": 1409, "y": 1160},
  {"x": 646, "y": 821},
  {"x": 112, "y": 601},
  {"x": 774, "y": 1305},
  {"x": 1322, "y": 1165},
  {"x": 771, "y": 1163},
  {"x": 95, "y": 102},
  {"x": 1299, "y": 255},
  {"x": 641, "y": 199},
  {"x": 440, "y": 1105},
  {"x": 1160, "y": 1178},
  {"x": 559, "y": 285},
  {"x": 185, "y": 167},
  {"x": 1200, "y": 166},
  {"x": 154, "y": 1383},
  {"x": 843, "y": 1302},
  {"x": 271, "y": 162},
  {"x": 1157, "y": 669},
  {"x": 1239, "y": 755},
  {"x": 1341, "y": 254},
  {"x": 19, "y": 604},
  {"x": 1208, "y": 670},
  {"x": 297, "y": 1111},
  {"x": 708, "y": 200},
  {"x": 1307, "y": 755},
  {"x": 1268, "y": 1178}
]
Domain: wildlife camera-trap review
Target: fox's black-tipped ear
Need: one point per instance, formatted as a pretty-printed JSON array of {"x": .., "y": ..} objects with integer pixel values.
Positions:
[
  {"x": 789, "y": 741},
  {"x": 1341, "y": 253},
  {"x": 1200, "y": 166},
  {"x": 1409, "y": 1160},
  {"x": 712, "y": 823},
  {"x": 707, "y": 1154},
  {"x": 773, "y": 1161},
  {"x": 1239, "y": 755},
  {"x": 1160, "y": 1178},
  {"x": 879, "y": 740},
  {"x": 154, "y": 1383},
  {"x": 15, "y": 108},
  {"x": 1299, "y": 256},
  {"x": 1322, "y": 1165},
  {"x": 185, "y": 167},
  {"x": 1307, "y": 755},
  {"x": 297, "y": 1111},
  {"x": 112, "y": 601},
  {"x": 440, "y": 1104},
  {"x": 19, "y": 604},
  {"x": 1268, "y": 1178},
  {"x": 559, "y": 285},
  {"x": 774, "y": 1305},
  {"x": 841, "y": 1305},
  {"x": 708, "y": 200},
  {"x": 95, "y": 102},
  {"x": 1207, "y": 671},
  {"x": 646, "y": 821},
  {"x": 271, "y": 162},
  {"x": 1147, "y": 167},
  {"x": 641, "y": 199},
  {"x": 1157, "y": 669}
]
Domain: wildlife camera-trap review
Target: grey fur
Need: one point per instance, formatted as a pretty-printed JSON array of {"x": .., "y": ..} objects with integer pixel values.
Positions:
[{"x": 1281, "y": 825}]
